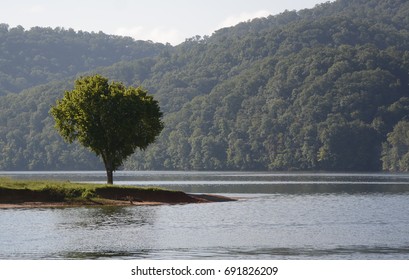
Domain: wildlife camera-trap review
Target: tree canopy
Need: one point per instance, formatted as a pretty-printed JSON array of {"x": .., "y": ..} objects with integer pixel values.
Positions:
[{"x": 108, "y": 118}]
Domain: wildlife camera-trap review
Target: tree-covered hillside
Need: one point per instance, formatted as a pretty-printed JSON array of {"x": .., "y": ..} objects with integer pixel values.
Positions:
[
  {"x": 40, "y": 55},
  {"x": 318, "y": 89}
]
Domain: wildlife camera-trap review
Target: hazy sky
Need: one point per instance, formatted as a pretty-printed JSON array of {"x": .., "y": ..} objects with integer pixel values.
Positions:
[{"x": 158, "y": 20}]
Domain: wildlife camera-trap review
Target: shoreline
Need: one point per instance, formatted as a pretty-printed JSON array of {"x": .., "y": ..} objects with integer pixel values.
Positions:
[
  {"x": 200, "y": 198},
  {"x": 33, "y": 204},
  {"x": 37, "y": 194}
]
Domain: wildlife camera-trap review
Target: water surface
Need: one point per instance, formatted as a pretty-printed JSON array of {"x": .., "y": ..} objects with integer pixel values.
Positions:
[{"x": 277, "y": 216}]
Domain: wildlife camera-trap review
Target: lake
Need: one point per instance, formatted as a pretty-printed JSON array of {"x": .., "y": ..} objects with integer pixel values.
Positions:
[{"x": 277, "y": 216}]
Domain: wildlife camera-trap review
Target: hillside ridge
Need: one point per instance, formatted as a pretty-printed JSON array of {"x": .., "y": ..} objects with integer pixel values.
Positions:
[{"x": 317, "y": 89}]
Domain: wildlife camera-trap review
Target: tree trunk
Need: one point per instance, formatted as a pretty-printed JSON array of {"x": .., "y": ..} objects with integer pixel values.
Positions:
[
  {"x": 110, "y": 177},
  {"x": 109, "y": 169}
]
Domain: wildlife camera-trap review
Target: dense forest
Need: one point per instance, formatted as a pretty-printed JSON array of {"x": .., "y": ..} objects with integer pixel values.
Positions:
[
  {"x": 40, "y": 55},
  {"x": 318, "y": 89}
]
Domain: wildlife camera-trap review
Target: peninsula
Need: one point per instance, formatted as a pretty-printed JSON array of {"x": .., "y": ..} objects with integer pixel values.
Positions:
[{"x": 28, "y": 194}]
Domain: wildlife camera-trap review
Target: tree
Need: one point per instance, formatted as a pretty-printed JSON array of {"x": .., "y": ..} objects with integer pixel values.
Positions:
[
  {"x": 108, "y": 118},
  {"x": 396, "y": 149},
  {"x": 350, "y": 146}
]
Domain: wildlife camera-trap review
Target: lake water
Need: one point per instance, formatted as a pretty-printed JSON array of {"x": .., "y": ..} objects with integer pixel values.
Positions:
[{"x": 277, "y": 216}]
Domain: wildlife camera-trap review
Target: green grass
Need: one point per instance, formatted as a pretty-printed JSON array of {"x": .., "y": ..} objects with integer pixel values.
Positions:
[
  {"x": 81, "y": 194},
  {"x": 56, "y": 191},
  {"x": 9, "y": 183},
  {"x": 65, "y": 191},
  {"x": 6, "y": 182}
]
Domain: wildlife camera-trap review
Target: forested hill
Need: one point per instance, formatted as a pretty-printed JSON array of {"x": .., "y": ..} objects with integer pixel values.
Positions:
[
  {"x": 318, "y": 89},
  {"x": 40, "y": 55}
]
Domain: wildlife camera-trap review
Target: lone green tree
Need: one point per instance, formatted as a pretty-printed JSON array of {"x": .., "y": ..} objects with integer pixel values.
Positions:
[{"x": 108, "y": 118}]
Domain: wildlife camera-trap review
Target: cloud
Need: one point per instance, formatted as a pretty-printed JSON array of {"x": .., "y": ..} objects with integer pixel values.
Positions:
[
  {"x": 134, "y": 32},
  {"x": 156, "y": 34},
  {"x": 166, "y": 35},
  {"x": 235, "y": 19},
  {"x": 37, "y": 9}
]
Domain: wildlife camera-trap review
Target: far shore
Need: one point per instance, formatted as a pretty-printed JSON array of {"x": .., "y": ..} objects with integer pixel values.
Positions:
[{"x": 38, "y": 194}]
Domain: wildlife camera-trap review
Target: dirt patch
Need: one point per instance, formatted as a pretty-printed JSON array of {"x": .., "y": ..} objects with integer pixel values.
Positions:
[
  {"x": 157, "y": 195},
  {"x": 23, "y": 195},
  {"x": 139, "y": 195}
]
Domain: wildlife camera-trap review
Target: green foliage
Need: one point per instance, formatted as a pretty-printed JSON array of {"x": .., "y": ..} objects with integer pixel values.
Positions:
[
  {"x": 299, "y": 91},
  {"x": 349, "y": 147},
  {"x": 52, "y": 190},
  {"x": 396, "y": 149},
  {"x": 88, "y": 194},
  {"x": 317, "y": 89},
  {"x": 28, "y": 140},
  {"x": 40, "y": 55},
  {"x": 109, "y": 119}
]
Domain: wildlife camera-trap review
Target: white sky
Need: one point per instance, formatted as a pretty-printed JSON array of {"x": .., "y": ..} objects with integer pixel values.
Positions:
[{"x": 158, "y": 20}]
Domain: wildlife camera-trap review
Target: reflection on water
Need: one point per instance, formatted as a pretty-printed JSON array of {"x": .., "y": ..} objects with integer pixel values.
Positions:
[
  {"x": 315, "y": 216},
  {"x": 107, "y": 217}
]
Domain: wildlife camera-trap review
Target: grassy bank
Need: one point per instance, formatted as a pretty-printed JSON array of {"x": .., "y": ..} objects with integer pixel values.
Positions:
[
  {"x": 24, "y": 191},
  {"x": 11, "y": 190},
  {"x": 67, "y": 193}
]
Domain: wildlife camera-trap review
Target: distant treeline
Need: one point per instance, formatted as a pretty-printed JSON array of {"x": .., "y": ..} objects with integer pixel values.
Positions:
[
  {"x": 41, "y": 55},
  {"x": 319, "y": 89}
]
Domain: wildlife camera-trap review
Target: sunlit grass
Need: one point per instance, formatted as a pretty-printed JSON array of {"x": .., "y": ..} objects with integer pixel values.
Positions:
[
  {"x": 64, "y": 190},
  {"x": 6, "y": 182}
]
